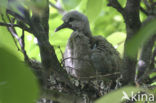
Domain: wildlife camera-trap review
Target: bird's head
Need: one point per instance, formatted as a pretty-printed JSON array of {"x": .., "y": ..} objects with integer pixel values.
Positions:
[{"x": 75, "y": 21}]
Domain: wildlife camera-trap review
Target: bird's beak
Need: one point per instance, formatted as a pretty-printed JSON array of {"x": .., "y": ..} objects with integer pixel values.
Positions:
[{"x": 64, "y": 25}]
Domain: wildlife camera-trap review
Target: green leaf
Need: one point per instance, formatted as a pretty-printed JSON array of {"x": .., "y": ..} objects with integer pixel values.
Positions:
[
  {"x": 139, "y": 39},
  {"x": 70, "y": 4},
  {"x": 117, "y": 40},
  {"x": 153, "y": 84},
  {"x": 116, "y": 96},
  {"x": 152, "y": 75},
  {"x": 82, "y": 5},
  {"x": 3, "y": 6},
  {"x": 6, "y": 40},
  {"x": 93, "y": 9},
  {"x": 17, "y": 83},
  {"x": 122, "y": 2},
  {"x": 114, "y": 38}
]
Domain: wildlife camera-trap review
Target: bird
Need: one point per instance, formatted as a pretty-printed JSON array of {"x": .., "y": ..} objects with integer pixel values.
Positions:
[{"x": 86, "y": 55}]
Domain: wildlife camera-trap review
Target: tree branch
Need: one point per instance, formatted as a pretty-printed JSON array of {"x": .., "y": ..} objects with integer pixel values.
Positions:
[
  {"x": 8, "y": 24},
  {"x": 131, "y": 16},
  {"x": 115, "y": 4},
  {"x": 16, "y": 25},
  {"x": 147, "y": 4},
  {"x": 40, "y": 28},
  {"x": 146, "y": 56},
  {"x": 36, "y": 66},
  {"x": 153, "y": 59},
  {"x": 144, "y": 11}
]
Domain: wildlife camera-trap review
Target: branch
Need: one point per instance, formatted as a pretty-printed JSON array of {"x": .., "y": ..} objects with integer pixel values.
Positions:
[
  {"x": 16, "y": 25},
  {"x": 145, "y": 58},
  {"x": 14, "y": 14},
  {"x": 36, "y": 66},
  {"x": 133, "y": 24},
  {"x": 40, "y": 28},
  {"x": 147, "y": 4},
  {"x": 25, "y": 18},
  {"x": 20, "y": 39},
  {"x": 100, "y": 77},
  {"x": 8, "y": 24},
  {"x": 49, "y": 60},
  {"x": 115, "y": 4},
  {"x": 144, "y": 11},
  {"x": 153, "y": 59},
  {"x": 145, "y": 78}
]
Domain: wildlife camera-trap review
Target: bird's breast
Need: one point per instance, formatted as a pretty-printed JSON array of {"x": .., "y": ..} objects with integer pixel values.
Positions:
[{"x": 77, "y": 54}]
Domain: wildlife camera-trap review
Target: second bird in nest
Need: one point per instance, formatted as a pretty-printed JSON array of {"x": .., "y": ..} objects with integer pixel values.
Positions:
[{"x": 86, "y": 55}]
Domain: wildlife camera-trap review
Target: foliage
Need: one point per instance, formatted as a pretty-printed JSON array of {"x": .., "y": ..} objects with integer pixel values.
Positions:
[
  {"x": 17, "y": 82},
  {"x": 141, "y": 37},
  {"x": 20, "y": 82}
]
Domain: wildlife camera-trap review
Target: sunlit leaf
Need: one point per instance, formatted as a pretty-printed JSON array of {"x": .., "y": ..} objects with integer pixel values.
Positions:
[
  {"x": 7, "y": 41},
  {"x": 17, "y": 83},
  {"x": 152, "y": 75},
  {"x": 114, "y": 38},
  {"x": 117, "y": 39},
  {"x": 70, "y": 4},
  {"x": 93, "y": 9},
  {"x": 122, "y": 2},
  {"x": 82, "y": 5},
  {"x": 153, "y": 84},
  {"x": 3, "y": 6}
]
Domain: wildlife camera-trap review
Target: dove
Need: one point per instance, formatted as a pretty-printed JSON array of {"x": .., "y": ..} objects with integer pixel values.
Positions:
[{"x": 87, "y": 55}]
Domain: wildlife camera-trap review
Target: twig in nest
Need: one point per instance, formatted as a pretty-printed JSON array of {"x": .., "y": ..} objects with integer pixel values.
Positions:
[
  {"x": 60, "y": 51},
  {"x": 100, "y": 76},
  {"x": 74, "y": 59},
  {"x": 22, "y": 43},
  {"x": 61, "y": 55}
]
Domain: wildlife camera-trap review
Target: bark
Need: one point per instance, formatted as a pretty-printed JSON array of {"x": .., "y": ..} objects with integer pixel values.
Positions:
[
  {"x": 131, "y": 17},
  {"x": 133, "y": 24},
  {"x": 40, "y": 29}
]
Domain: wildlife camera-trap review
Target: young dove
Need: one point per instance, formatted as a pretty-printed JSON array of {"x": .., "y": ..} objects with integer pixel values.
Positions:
[{"x": 86, "y": 55}]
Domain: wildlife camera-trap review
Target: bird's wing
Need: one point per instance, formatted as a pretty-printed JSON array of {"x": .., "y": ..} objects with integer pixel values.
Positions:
[{"x": 104, "y": 56}]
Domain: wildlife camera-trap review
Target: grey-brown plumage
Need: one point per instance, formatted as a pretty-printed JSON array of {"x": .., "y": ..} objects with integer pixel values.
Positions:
[{"x": 87, "y": 55}]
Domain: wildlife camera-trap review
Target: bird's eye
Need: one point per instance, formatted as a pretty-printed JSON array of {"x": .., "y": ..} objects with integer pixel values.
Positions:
[{"x": 71, "y": 19}]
